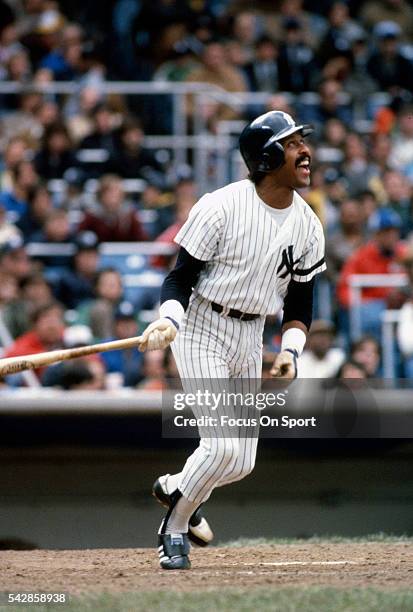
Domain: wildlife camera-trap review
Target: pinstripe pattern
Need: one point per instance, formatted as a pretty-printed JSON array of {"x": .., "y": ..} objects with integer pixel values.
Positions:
[
  {"x": 208, "y": 350},
  {"x": 250, "y": 261},
  {"x": 234, "y": 231}
]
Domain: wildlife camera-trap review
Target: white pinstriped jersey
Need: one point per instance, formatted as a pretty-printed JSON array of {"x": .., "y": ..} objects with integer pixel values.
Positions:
[{"x": 251, "y": 258}]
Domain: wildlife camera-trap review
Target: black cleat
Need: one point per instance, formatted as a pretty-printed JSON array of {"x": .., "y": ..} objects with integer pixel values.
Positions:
[
  {"x": 173, "y": 551},
  {"x": 200, "y": 532}
]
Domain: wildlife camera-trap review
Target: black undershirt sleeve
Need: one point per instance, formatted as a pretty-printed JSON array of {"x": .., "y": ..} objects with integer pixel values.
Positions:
[
  {"x": 298, "y": 303},
  {"x": 180, "y": 281}
]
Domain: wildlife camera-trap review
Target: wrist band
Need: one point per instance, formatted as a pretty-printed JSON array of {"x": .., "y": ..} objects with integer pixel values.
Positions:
[
  {"x": 173, "y": 321},
  {"x": 294, "y": 339},
  {"x": 172, "y": 309}
]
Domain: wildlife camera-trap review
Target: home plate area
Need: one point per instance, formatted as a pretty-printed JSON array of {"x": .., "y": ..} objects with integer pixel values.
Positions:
[{"x": 385, "y": 565}]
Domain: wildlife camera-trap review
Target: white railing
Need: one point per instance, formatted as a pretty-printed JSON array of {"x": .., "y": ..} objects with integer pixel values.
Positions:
[
  {"x": 191, "y": 136},
  {"x": 357, "y": 283},
  {"x": 50, "y": 249}
]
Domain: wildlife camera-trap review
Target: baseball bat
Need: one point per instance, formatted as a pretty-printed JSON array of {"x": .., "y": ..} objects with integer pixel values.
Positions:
[{"x": 12, "y": 365}]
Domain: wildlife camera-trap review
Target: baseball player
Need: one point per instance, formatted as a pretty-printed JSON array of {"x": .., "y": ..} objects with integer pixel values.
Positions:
[{"x": 247, "y": 250}]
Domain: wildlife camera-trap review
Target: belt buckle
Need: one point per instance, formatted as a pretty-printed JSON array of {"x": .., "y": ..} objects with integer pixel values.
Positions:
[{"x": 225, "y": 311}]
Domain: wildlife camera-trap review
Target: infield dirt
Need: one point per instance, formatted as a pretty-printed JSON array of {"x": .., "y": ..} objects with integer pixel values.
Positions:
[{"x": 371, "y": 564}]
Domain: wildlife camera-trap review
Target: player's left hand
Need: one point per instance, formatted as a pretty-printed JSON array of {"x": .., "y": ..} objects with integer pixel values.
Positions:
[
  {"x": 285, "y": 365},
  {"x": 158, "y": 335}
]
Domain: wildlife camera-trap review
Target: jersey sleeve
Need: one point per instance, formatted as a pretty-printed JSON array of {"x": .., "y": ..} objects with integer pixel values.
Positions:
[
  {"x": 202, "y": 230},
  {"x": 312, "y": 261}
]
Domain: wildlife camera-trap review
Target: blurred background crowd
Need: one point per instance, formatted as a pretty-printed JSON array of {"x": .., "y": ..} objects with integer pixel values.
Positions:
[{"x": 84, "y": 169}]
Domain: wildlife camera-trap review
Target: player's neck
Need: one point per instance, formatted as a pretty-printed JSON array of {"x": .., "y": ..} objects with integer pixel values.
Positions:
[{"x": 274, "y": 195}]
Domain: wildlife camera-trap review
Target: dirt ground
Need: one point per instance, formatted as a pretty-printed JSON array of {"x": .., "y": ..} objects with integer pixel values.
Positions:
[{"x": 374, "y": 564}]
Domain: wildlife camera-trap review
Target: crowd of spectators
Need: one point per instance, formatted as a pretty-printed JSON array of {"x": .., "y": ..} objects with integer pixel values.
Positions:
[{"x": 67, "y": 163}]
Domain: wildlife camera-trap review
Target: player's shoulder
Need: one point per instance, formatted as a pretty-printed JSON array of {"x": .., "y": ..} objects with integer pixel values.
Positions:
[
  {"x": 227, "y": 197},
  {"x": 307, "y": 212},
  {"x": 238, "y": 188}
]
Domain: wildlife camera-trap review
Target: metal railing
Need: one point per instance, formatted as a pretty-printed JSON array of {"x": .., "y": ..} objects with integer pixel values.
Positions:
[
  {"x": 357, "y": 283},
  {"x": 389, "y": 321},
  {"x": 191, "y": 135}
]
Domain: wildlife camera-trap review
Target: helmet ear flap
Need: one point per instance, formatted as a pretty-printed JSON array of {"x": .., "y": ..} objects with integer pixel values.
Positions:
[{"x": 272, "y": 156}]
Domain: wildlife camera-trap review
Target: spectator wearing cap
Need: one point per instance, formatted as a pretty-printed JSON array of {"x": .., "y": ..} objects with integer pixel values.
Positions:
[
  {"x": 320, "y": 358},
  {"x": 381, "y": 255},
  {"x": 114, "y": 220},
  {"x": 297, "y": 69},
  {"x": 387, "y": 66},
  {"x": 126, "y": 364},
  {"x": 76, "y": 285},
  {"x": 46, "y": 333},
  {"x": 400, "y": 12},
  {"x": 56, "y": 154},
  {"x": 98, "y": 314},
  {"x": 15, "y": 201}
]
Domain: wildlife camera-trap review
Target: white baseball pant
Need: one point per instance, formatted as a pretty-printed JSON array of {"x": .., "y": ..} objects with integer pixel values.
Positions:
[{"x": 213, "y": 348}]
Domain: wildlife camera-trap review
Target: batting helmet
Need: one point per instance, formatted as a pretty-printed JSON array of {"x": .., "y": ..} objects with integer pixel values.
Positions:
[{"x": 259, "y": 142}]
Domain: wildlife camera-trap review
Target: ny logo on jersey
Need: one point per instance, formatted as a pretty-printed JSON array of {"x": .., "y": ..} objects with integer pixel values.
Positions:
[{"x": 287, "y": 262}]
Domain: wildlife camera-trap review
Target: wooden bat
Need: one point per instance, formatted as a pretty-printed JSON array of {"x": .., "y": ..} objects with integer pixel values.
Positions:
[{"x": 12, "y": 365}]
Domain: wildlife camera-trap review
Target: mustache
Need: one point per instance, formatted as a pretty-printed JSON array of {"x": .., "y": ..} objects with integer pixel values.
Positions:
[{"x": 302, "y": 158}]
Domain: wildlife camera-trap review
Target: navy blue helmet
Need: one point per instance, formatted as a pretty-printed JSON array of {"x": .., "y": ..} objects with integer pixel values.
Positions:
[{"x": 260, "y": 144}]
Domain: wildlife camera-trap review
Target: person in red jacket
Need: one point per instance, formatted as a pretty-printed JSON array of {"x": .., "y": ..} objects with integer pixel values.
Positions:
[
  {"x": 45, "y": 335},
  {"x": 114, "y": 220},
  {"x": 381, "y": 255}
]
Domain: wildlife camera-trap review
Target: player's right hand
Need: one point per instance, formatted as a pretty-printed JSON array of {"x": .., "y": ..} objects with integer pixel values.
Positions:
[{"x": 158, "y": 335}]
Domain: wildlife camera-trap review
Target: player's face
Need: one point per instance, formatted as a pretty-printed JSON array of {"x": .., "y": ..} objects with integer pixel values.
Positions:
[{"x": 295, "y": 173}]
